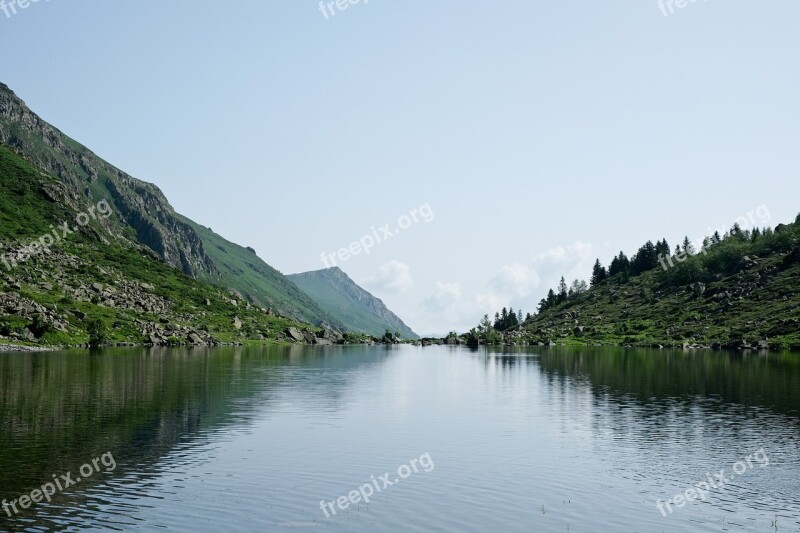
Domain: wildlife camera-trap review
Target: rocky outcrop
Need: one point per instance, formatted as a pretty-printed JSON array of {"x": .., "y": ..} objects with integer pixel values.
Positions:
[{"x": 137, "y": 204}]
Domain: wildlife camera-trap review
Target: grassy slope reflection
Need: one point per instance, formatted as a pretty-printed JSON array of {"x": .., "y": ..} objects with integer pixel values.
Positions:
[
  {"x": 770, "y": 381},
  {"x": 60, "y": 410}
]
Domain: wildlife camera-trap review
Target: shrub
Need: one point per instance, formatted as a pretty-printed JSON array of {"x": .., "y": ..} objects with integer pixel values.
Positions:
[
  {"x": 39, "y": 326},
  {"x": 688, "y": 272},
  {"x": 98, "y": 335}
]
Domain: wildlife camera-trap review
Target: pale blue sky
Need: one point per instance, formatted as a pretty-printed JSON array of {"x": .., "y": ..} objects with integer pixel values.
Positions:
[{"x": 542, "y": 134}]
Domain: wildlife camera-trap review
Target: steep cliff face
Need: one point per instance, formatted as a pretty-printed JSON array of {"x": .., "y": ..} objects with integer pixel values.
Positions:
[{"x": 141, "y": 206}]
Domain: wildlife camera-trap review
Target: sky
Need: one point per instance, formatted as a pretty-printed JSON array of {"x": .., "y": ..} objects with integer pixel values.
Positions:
[{"x": 534, "y": 136}]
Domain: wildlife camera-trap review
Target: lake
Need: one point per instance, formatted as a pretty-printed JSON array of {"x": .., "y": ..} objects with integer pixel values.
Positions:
[{"x": 298, "y": 438}]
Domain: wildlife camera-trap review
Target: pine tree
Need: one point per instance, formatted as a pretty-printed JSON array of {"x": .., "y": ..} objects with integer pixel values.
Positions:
[
  {"x": 486, "y": 324},
  {"x": 562, "y": 290},
  {"x": 645, "y": 259},
  {"x": 551, "y": 298},
  {"x": 662, "y": 248},
  {"x": 578, "y": 287},
  {"x": 619, "y": 265},
  {"x": 599, "y": 273},
  {"x": 543, "y": 305}
]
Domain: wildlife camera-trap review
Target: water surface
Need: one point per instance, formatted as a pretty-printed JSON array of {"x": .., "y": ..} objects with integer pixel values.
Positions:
[{"x": 253, "y": 439}]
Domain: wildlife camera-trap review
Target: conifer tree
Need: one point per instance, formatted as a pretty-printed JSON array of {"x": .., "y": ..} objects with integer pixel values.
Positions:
[{"x": 599, "y": 273}]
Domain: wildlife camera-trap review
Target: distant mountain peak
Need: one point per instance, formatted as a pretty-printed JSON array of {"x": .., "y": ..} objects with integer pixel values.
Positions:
[{"x": 340, "y": 296}]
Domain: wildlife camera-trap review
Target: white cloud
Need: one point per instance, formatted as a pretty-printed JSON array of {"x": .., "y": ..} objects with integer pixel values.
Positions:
[
  {"x": 573, "y": 262},
  {"x": 392, "y": 277},
  {"x": 576, "y": 251},
  {"x": 515, "y": 280},
  {"x": 445, "y": 296},
  {"x": 519, "y": 285}
]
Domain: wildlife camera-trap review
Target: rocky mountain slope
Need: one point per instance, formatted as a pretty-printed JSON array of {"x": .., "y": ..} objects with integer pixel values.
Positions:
[
  {"x": 144, "y": 216},
  {"x": 69, "y": 278},
  {"x": 359, "y": 310}
]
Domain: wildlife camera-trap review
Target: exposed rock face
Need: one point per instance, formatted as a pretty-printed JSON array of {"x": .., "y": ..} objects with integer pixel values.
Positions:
[
  {"x": 330, "y": 337},
  {"x": 137, "y": 204},
  {"x": 64, "y": 273},
  {"x": 295, "y": 335}
]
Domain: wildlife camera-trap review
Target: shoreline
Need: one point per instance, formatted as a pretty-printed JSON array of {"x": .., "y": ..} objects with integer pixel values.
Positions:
[{"x": 12, "y": 348}]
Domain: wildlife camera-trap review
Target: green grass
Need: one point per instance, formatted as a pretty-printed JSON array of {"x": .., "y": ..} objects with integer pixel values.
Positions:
[
  {"x": 360, "y": 311},
  {"x": 26, "y": 214},
  {"x": 660, "y": 308},
  {"x": 243, "y": 270}
]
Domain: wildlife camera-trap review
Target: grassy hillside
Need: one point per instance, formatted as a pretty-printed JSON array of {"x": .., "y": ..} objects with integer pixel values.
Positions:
[
  {"x": 241, "y": 269},
  {"x": 359, "y": 310},
  {"x": 91, "y": 277},
  {"x": 144, "y": 215},
  {"x": 742, "y": 292}
]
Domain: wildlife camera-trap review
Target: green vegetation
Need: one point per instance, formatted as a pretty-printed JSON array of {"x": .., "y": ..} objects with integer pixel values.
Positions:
[
  {"x": 356, "y": 308},
  {"x": 741, "y": 290},
  {"x": 146, "y": 273},
  {"x": 91, "y": 288},
  {"x": 145, "y": 217},
  {"x": 242, "y": 270}
]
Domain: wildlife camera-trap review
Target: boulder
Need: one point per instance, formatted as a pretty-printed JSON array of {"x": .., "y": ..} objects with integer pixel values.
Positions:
[
  {"x": 333, "y": 336},
  {"x": 698, "y": 288},
  {"x": 295, "y": 335}
]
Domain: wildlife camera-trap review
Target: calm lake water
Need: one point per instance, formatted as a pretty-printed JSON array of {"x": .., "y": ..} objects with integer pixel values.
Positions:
[{"x": 253, "y": 439}]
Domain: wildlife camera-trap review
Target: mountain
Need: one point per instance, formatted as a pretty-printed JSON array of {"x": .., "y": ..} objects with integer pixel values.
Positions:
[
  {"x": 144, "y": 216},
  {"x": 241, "y": 269},
  {"x": 741, "y": 291},
  {"x": 70, "y": 275},
  {"x": 359, "y": 310}
]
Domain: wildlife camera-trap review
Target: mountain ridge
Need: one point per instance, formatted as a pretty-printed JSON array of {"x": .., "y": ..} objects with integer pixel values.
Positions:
[
  {"x": 358, "y": 309},
  {"x": 145, "y": 216}
]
